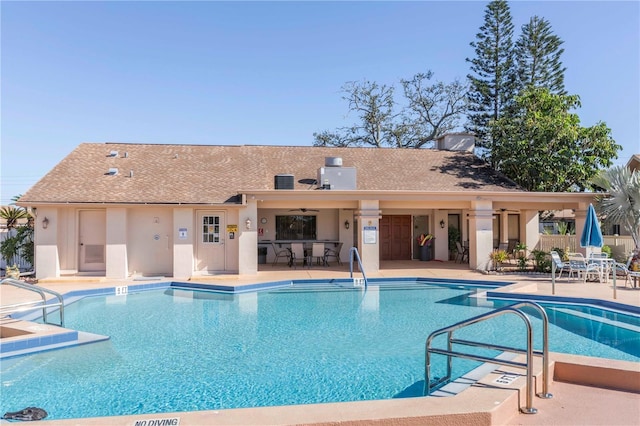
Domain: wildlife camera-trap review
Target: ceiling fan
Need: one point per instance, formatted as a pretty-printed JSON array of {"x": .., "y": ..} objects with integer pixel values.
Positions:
[{"x": 303, "y": 210}]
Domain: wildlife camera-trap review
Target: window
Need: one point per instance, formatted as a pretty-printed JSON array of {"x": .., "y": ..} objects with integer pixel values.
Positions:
[
  {"x": 295, "y": 227},
  {"x": 211, "y": 229}
]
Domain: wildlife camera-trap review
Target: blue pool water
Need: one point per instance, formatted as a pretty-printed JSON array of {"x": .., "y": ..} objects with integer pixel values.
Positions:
[{"x": 182, "y": 350}]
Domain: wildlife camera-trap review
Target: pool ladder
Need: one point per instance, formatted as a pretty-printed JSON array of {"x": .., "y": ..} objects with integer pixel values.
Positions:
[
  {"x": 6, "y": 310},
  {"x": 528, "y": 364},
  {"x": 353, "y": 252}
]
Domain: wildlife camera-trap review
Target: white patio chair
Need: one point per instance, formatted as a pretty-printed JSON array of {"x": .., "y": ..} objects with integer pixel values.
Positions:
[
  {"x": 333, "y": 253},
  {"x": 604, "y": 262},
  {"x": 560, "y": 265},
  {"x": 318, "y": 254},
  {"x": 622, "y": 269},
  {"x": 578, "y": 265},
  {"x": 280, "y": 253},
  {"x": 298, "y": 255}
]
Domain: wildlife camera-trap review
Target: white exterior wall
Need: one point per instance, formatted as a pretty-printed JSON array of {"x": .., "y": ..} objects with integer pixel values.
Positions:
[
  {"x": 441, "y": 235},
  {"x": 162, "y": 241},
  {"x": 150, "y": 241},
  {"x": 46, "y": 244},
  {"x": 345, "y": 235}
]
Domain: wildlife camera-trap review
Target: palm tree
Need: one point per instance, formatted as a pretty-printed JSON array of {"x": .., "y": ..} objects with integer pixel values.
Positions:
[
  {"x": 12, "y": 215},
  {"x": 621, "y": 202},
  {"x": 20, "y": 244}
]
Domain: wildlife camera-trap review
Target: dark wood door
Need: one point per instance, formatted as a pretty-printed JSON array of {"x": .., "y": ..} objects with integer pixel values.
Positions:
[{"x": 395, "y": 238}]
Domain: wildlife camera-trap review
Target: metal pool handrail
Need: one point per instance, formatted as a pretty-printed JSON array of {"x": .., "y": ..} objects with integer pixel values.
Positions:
[
  {"x": 29, "y": 306},
  {"x": 528, "y": 365},
  {"x": 354, "y": 252}
]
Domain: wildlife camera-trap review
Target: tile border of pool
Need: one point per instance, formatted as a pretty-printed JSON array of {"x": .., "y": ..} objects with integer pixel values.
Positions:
[{"x": 75, "y": 295}]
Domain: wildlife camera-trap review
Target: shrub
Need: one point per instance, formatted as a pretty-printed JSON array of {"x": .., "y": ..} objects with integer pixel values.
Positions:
[
  {"x": 497, "y": 257},
  {"x": 541, "y": 262}
]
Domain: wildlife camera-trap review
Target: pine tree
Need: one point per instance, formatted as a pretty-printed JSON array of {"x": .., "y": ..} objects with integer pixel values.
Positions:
[
  {"x": 538, "y": 54},
  {"x": 493, "y": 77}
]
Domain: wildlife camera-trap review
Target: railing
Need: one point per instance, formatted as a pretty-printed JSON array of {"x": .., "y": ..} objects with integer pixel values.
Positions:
[
  {"x": 353, "y": 252},
  {"x": 6, "y": 310},
  {"x": 528, "y": 365}
]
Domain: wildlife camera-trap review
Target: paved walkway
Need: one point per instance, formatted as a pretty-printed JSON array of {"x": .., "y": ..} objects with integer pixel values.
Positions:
[{"x": 571, "y": 405}]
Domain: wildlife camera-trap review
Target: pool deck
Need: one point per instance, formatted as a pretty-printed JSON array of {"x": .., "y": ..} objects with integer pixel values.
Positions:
[{"x": 587, "y": 391}]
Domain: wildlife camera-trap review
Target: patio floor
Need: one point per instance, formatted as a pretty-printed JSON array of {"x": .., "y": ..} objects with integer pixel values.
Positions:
[{"x": 572, "y": 404}]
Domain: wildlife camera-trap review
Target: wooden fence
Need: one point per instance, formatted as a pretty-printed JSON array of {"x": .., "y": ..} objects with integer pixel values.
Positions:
[{"x": 621, "y": 246}]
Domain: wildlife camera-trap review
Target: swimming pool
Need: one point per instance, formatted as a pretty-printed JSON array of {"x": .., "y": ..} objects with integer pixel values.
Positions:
[{"x": 176, "y": 349}]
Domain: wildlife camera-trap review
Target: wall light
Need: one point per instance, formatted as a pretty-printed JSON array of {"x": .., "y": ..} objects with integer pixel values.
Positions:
[
  {"x": 248, "y": 223},
  {"x": 346, "y": 224},
  {"x": 442, "y": 224},
  {"x": 45, "y": 223}
]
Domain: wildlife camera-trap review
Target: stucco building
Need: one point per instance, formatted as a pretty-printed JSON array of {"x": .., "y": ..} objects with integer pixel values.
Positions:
[{"x": 119, "y": 210}]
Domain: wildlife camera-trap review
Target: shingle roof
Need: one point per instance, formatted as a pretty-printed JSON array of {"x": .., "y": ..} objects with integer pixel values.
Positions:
[{"x": 193, "y": 174}]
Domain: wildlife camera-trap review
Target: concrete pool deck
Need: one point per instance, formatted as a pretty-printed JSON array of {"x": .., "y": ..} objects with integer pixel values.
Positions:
[{"x": 578, "y": 399}]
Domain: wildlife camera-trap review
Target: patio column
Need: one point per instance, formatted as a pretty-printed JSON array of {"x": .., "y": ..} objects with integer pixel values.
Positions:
[
  {"x": 531, "y": 228},
  {"x": 504, "y": 227},
  {"x": 581, "y": 220},
  {"x": 116, "y": 250},
  {"x": 248, "y": 241},
  {"x": 183, "y": 242},
  {"x": 369, "y": 235},
  {"x": 480, "y": 234}
]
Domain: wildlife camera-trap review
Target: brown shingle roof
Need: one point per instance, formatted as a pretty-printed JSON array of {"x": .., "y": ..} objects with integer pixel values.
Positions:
[{"x": 192, "y": 174}]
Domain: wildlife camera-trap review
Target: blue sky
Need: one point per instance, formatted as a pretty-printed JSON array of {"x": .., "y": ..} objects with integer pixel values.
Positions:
[{"x": 264, "y": 73}]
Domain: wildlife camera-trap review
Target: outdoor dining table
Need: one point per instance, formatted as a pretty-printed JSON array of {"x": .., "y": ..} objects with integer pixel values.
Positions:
[{"x": 307, "y": 244}]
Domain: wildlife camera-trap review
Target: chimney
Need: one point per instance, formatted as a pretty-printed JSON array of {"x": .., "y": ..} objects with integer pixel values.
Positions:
[{"x": 456, "y": 142}]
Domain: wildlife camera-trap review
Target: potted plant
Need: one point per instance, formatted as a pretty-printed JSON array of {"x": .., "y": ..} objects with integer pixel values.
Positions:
[
  {"x": 424, "y": 241},
  {"x": 520, "y": 249},
  {"x": 497, "y": 257}
]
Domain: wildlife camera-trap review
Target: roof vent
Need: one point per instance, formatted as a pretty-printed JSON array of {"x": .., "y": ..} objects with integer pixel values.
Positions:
[
  {"x": 113, "y": 171},
  {"x": 333, "y": 161},
  {"x": 125, "y": 155},
  {"x": 113, "y": 154},
  {"x": 283, "y": 181}
]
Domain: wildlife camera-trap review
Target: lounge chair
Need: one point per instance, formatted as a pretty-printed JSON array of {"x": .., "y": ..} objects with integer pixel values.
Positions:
[
  {"x": 622, "y": 269},
  {"x": 560, "y": 265},
  {"x": 578, "y": 265}
]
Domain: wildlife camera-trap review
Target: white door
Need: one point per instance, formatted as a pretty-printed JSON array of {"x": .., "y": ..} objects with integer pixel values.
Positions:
[
  {"x": 210, "y": 247},
  {"x": 92, "y": 240}
]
